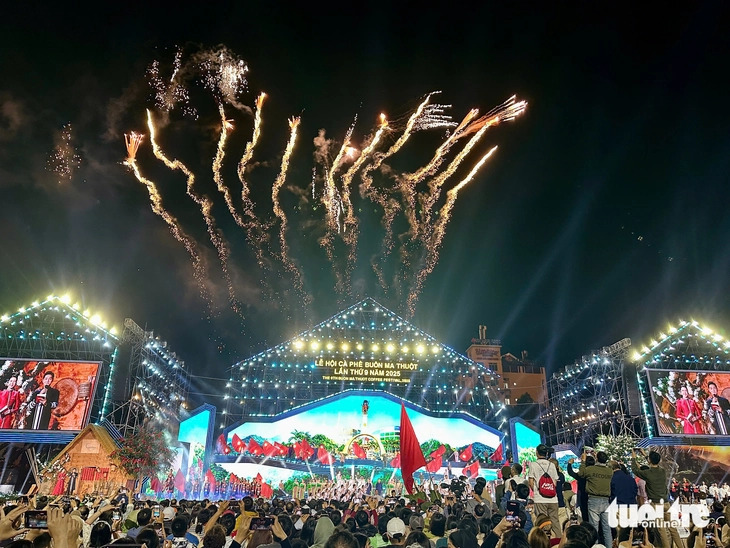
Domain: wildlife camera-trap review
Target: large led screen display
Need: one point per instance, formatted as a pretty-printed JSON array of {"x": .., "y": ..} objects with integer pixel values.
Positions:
[
  {"x": 370, "y": 420},
  {"x": 46, "y": 395},
  {"x": 690, "y": 403}
]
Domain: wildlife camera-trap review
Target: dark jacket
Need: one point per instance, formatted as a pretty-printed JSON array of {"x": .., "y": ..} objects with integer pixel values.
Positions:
[{"x": 623, "y": 488}]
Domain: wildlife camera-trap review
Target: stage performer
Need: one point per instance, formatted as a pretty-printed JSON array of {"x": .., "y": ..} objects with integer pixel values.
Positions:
[
  {"x": 45, "y": 399},
  {"x": 365, "y": 409},
  {"x": 688, "y": 412},
  {"x": 59, "y": 488},
  {"x": 9, "y": 402},
  {"x": 71, "y": 488},
  {"x": 717, "y": 409}
]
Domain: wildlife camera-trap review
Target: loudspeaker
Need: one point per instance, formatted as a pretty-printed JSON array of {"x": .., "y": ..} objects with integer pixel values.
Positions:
[
  {"x": 631, "y": 394},
  {"x": 121, "y": 382}
]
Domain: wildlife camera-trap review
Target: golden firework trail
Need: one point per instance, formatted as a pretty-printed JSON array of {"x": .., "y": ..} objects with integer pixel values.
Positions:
[
  {"x": 390, "y": 207},
  {"x": 132, "y": 141},
  {"x": 351, "y": 228},
  {"x": 409, "y": 181},
  {"x": 506, "y": 111},
  {"x": 279, "y": 212},
  {"x": 246, "y": 158},
  {"x": 205, "y": 205},
  {"x": 437, "y": 237},
  {"x": 226, "y": 125}
]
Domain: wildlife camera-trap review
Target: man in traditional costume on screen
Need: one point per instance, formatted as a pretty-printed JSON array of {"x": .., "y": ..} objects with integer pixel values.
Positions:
[
  {"x": 718, "y": 411},
  {"x": 9, "y": 402},
  {"x": 46, "y": 400},
  {"x": 688, "y": 412}
]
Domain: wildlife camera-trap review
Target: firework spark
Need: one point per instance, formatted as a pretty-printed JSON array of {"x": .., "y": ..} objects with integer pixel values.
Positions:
[
  {"x": 206, "y": 206},
  {"x": 64, "y": 160},
  {"x": 279, "y": 212},
  {"x": 437, "y": 237},
  {"x": 226, "y": 126},
  {"x": 132, "y": 142}
]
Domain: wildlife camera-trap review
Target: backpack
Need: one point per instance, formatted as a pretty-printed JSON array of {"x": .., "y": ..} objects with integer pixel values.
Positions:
[{"x": 546, "y": 485}]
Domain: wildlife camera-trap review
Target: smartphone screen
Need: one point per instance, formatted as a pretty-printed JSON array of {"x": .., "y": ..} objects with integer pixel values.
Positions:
[
  {"x": 156, "y": 512},
  {"x": 36, "y": 519},
  {"x": 262, "y": 523}
]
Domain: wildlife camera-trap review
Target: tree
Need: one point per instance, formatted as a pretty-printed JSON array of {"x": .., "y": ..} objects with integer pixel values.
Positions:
[
  {"x": 616, "y": 447},
  {"x": 144, "y": 453}
]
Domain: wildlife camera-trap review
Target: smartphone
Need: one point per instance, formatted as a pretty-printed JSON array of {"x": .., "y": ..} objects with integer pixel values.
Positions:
[
  {"x": 513, "y": 507},
  {"x": 116, "y": 515},
  {"x": 261, "y": 523},
  {"x": 155, "y": 511},
  {"x": 36, "y": 519},
  {"x": 710, "y": 539}
]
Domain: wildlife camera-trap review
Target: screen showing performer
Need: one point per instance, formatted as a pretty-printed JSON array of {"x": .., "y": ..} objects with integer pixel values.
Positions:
[
  {"x": 691, "y": 403},
  {"x": 46, "y": 395}
]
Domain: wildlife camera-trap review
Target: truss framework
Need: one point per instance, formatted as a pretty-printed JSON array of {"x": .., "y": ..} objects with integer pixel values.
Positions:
[{"x": 587, "y": 398}]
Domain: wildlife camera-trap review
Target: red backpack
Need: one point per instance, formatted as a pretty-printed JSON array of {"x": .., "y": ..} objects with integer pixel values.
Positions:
[{"x": 546, "y": 484}]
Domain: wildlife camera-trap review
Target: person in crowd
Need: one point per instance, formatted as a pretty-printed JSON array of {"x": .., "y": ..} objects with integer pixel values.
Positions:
[
  {"x": 543, "y": 477},
  {"x": 623, "y": 487},
  {"x": 598, "y": 486},
  {"x": 657, "y": 492}
]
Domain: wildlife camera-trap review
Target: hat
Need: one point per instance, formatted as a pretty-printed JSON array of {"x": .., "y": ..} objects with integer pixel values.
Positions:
[
  {"x": 396, "y": 527},
  {"x": 168, "y": 513},
  {"x": 416, "y": 523}
]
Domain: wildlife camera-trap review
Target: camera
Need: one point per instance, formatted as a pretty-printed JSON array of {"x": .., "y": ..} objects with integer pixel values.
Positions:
[{"x": 262, "y": 523}]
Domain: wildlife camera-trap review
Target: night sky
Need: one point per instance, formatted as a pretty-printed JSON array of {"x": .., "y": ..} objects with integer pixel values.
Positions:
[{"x": 600, "y": 216}]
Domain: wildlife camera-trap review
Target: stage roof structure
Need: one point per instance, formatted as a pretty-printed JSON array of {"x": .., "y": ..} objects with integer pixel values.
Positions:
[{"x": 366, "y": 347}]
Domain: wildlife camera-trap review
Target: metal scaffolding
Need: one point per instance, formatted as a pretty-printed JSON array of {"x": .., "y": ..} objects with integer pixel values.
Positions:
[
  {"x": 587, "y": 398},
  {"x": 155, "y": 381}
]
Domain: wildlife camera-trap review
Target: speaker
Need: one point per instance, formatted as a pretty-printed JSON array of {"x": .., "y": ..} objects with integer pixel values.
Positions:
[
  {"x": 121, "y": 381},
  {"x": 631, "y": 394}
]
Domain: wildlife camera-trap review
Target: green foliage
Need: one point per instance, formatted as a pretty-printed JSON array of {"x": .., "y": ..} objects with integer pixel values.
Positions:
[
  {"x": 528, "y": 454},
  {"x": 617, "y": 447},
  {"x": 144, "y": 453}
]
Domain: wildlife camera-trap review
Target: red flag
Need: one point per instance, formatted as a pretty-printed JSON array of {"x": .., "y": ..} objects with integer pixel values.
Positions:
[
  {"x": 283, "y": 450},
  {"x": 435, "y": 464},
  {"x": 297, "y": 449},
  {"x": 180, "y": 481},
  {"x": 498, "y": 455},
  {"x": 359, "y": 451},
  {"x": 266, "y": 491},
  {"x": 238, "y": 445},
  {"x": 438, "y": 452},
  {"x": 465, "y": 454},
  {"x": 395, "y": 463},
  {"x": 233, "y": 478},
  {"x": 259, "y": 478},
  {"x": 323, "y": 455},
  {"x": 307, "y": 450},
  {"x": 411, "y": 456},
  {"x": 254, "y": 448},
  {"x": 156, "y": 484},
  {"x": 222, "y": 445},
  {"x": 472, "y": 470},
  {"x": 268, "y": 449},
  {"x": 210, "y": 477}
]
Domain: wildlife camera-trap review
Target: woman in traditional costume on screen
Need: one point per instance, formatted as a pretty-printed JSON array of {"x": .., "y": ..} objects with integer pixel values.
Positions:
[
  {"x": 688, "y": 412},
  {"x": 718, "y": 411},
  {"x": 9, "y": 402},
  {"x": 365, "y": 408}
]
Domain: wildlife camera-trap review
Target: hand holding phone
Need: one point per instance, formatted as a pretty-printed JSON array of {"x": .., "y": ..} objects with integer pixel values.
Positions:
[{"x": 36, "y": 519}]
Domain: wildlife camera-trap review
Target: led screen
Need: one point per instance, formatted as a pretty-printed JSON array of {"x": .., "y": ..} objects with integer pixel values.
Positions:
[
  {"x": 690, "y": 403},
  {"x": 371, "y": 420},
  {"x": 46, "y": 395},
  {"x": 195, "y": 430},
  {"x": 525, "y": 439}
]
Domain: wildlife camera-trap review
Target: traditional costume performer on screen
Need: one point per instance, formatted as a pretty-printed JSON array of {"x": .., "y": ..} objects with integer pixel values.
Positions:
[
  {"x": 718, "y": 411},
  {"x": 9, "y": 402},
  {"x": 45, "y": 399},
  {"x": 688, "y": 412}
]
